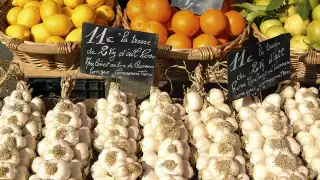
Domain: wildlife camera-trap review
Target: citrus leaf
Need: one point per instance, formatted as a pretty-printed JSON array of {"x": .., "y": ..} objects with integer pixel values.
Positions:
[
  {"x": 274, "y": 4},
  {"x": 303, "y": 8},
  {"x": 250, "y": 7}
]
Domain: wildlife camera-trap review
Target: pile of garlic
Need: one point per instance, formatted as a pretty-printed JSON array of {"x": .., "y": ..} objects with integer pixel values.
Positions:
[
  {"x": 65, "y": 151},
  {"x": 116, "y": 137},
  {"x": 268, "y": 141},
  {"x": 303, "y": 109},
  {"x": 165, "y": 149},
  {"x": 214, "y": 134},
  {"x": 20, "y": 123}
]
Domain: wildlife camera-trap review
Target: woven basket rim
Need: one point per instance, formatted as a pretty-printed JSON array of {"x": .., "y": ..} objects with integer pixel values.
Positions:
[
  {"x": 206, "y": 53},
  {"x": 49, "y": 48}
]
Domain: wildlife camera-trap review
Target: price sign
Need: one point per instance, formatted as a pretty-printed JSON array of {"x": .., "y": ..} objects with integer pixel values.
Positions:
[
  {"x": 5, "y": 53},
  {"x": 197, "y": 6},
  {"x": 118, "y": 53},
  {"x": 258, "y": 67}
]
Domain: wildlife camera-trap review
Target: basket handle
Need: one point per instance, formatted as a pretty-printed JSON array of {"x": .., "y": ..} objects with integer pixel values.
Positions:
[
  {"x": 312, "y": 57},
  {"x": 40, "y": 48}
]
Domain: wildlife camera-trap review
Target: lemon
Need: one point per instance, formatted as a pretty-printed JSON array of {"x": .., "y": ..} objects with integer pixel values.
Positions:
[
  {"x": 18, "y": 31},
  {"x": 67, "y": 11},
  {"x": 58, "y": 24},
  {"x": 74, "y": 36},
  {"x": 268, "y": 23},
  {"x": 60, "y": 2},
  {"x": 81, "y": 14},
  {"x": 299, "y": 42},
  {"x": 295, "y": 25},
  {"x": 49, "y": 8},
  {"x": 275, "y": 30},
  {"x": 15, "y": 3},
  {"x": 102, "y": 22},
  {"x": 21, "y": 3},
  {"x": 32, "y": 4},
  {"x": 13, "y": 15},
  {"x": 39, "y": 33},
  {"x": 95, "y": 3},
  {"x": 29, "y": 17},
  {"x": 55, "y": 39},
  {"x": 105, "y": 12},
  {"x": 72, "y": 3}
]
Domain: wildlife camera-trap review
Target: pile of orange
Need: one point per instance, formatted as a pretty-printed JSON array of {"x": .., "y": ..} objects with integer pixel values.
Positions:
[{"x": 182, "y": 28}]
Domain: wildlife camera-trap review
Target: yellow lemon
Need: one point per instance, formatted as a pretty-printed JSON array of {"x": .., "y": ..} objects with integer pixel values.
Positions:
[
  {"x": 58, "y": 24},
  {"x": 102, "y": 22},
  {"x": 67, "y": 11},
  {"x": 18, "y": 31},
  {"x": 13, "y": 15},
  {"x": 72, "y": 3},
  {"x": 60, "y": 2},
  {"x": 29, "y": 17},
  {"x": 95, "y": 3},
  {"x": 15, "y": 3},
  {"x": 81, "y": 14},
  {"x": 74, "y": 36},
  {"x": 39, "y": 33},
  {"x": 105, "y": 12},
  {"x": 32, "y": 4},
  {"x": 49, "y": 8},
  {"x": 21, "y": 3},
  {"x": 109, "y": 3},
  {"x": 55, "y": 39}
]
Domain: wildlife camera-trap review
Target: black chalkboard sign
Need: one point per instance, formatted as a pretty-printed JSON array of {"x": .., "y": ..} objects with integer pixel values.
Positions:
[
  {"x": 258, "y": 67},
  {"x": 118, "y": 53},
  {"x": 197, "y": 6},
  {"x": 5, "y": 53}
]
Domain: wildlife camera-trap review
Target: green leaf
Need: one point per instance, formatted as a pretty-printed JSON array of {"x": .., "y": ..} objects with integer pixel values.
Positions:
[
  {"x": 274, "y": 4},
  {"x": 303, "y": 8},
  {"x": 253, "y": 15}
]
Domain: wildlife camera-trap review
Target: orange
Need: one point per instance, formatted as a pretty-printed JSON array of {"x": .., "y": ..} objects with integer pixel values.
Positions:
[
  {"x": 135, "y": 7},
  {"x": 138, "y": 21},
  {"x": 213, "y": 22},
  {"x": 204, "y": 40},
  {"x": 156, "y": 28},
  {"x": 185, "y": 22},
  {"x": 223, "y": 38},
  {"x": 236, "y": 23},
  {"x": 179, "y": 41},
  {"x": 158, "y": 10}
]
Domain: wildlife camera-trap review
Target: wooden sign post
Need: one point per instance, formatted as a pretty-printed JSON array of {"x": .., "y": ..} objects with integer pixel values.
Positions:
[
  {"x": 118, "y": 53},
  {"x": 256, "y": 68}
]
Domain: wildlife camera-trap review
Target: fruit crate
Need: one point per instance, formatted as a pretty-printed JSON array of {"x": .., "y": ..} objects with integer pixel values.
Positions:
[
  {"x": 60, "y": 56},
  {"x": 213, "y": 58},
  {"x": 305, "y": 65}
]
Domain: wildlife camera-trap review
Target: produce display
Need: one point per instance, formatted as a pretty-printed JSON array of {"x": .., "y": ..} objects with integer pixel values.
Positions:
[
  {"x": 20, "y": 126},
  {"x": 299, "y": 18},
  {"x": 56, "y": 21},
  {"x": 182, "y": 28}
]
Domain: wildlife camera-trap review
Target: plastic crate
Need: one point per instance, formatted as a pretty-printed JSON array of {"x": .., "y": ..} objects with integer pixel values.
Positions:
[{"x": 84, "y": 88}]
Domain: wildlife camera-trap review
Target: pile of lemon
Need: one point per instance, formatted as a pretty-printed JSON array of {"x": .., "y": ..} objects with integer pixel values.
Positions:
[{"x": 55, "y": 21}]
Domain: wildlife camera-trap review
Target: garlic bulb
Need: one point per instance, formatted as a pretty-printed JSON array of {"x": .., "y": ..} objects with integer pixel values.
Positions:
[
  {"x": 165, "y": 145},
  {"x": 20, "y": 125},
  {"x": 267, "y": 135},
  {"x": 214, "y": 136},
  {"x": 115, "y": 137},
  {"x": 65, "y": 151}
]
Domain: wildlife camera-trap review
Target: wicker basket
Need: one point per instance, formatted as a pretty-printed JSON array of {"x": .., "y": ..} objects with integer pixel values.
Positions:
[
  {"x": 60, "y": 56},
  {"x": 212, "y": 58},
  {"x": 305, "y": 65}
]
